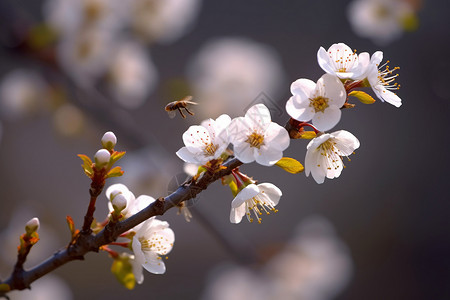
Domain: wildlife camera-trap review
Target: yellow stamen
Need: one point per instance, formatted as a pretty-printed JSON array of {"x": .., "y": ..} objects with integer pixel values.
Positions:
[
  {"x": 255, "y": 140},
  {"x": 210, "y": 149},
  {"x": 319, "y": 103}
]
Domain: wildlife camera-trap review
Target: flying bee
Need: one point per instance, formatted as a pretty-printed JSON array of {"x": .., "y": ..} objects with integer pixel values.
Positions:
[{"x": 172, "y": 107}]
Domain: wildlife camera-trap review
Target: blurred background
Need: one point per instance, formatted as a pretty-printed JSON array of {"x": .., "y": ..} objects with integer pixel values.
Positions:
[{"x": 72, "y": 70}]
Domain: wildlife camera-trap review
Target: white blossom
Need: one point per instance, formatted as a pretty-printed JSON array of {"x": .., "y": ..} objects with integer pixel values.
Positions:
[
  {"x": 382, "y": 21},
  {"x": 22, "y": 92},
  {"x": 132, "y": 74},
  {"x": 67, "y": 16},
  {"x": 381, "y": 80},
  {"x": 133, "y": 205},
  {"x": 152, "y": 239},
  {"x": 228, "y": 74},
  {"x": 85, "y": 54},
  {"x": 163, "y": 20},
  {"x": 205, "y": 142},
  {"x": 320, "y": 102},
  {"x": 341, "y": 61},
  {"x": 316, "y": 263},
  {"x": 324, "y": 154},
  {"x": 256, "y": 199},
  {"x": 256, "y": 137}
]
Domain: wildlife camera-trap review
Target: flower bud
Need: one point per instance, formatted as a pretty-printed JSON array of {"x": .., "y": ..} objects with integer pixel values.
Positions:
[
  {"x": 102, "y": 157},
  {"x": 32, "y": 226},
  {"x": 109, "y": 140},
  {"x": 119, "y": 202}
]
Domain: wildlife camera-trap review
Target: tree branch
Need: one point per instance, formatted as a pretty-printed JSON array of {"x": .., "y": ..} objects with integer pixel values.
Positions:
[{"x": 91, "y": 243}]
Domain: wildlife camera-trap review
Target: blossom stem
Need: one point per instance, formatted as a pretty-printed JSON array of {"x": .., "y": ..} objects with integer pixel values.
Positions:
[
  {"x": 124, "y": 244},
  {"x": 111, "y": 252},
  {"x": 239, "y": 182},
  {"x": 350, "y": 85},
  {"x": 97, "y": 184},
  {"x": 295, "y": 128}
]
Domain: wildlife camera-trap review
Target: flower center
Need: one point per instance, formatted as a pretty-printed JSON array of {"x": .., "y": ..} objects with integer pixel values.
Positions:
[
  {"x": 154, "y": 244},
  {"x": 319, "y": 103},
  {"x": 386, "y": 77},
  {"x": 343, "y": 60},
  {"x": 257, "y": 205},
  {"x": 329, "y": 150},
  {"x": 382, "y": 12},
  {"x": 93, "y": 11},
  {"x": 210, "y": 149},
  {"x": 255, "y": 140}
]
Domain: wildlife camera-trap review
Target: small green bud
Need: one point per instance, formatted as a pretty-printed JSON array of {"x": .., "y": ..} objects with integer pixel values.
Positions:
[
  {"x": 109, "y": 140},
  {"x": 119, "y": 202},
  {"x": 32, "y": 226},
  {"x": 102, "y": 157}
]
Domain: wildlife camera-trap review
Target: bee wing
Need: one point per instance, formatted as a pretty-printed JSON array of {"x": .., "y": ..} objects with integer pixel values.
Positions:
[
  {"x": 191, "y": 103},
  {"x": 187, "y": 99},
  {"x": 172, "y": 113}
]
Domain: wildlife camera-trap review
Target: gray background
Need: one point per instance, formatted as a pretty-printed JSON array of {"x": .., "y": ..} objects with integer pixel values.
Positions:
[{"x": 390, "y": 205}]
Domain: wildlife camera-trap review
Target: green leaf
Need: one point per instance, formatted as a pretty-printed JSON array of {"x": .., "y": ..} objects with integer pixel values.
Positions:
[
  {"x": 115, "y": 172},
  {"x": 363, "y": 97},
  {"x": 115, "y": 156},
  {"x": 290, "y": 165},
  {"x": 307, "y": 135},
  {"x": 233, "y": 188},
  {"x": 123, "y": 270},
  {"x": 87, "y": 165},
  {"x": 200, "y": 170},
  {"x": 71, "y": 225}
]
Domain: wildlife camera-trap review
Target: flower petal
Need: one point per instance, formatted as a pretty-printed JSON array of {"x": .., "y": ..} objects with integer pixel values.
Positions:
[
  {"x": 142, "y": 202},
  {"x": 323, "y": 59},
  {"x": 333, "y": 89},
  {"x": 388, "y": 96},
  {"x": 196, "y": 138},
  {"x": 247, "y": 193},
  {"x": 190, "y": 157},
  {"x": 271, "y": 191},
  {"x": 268, "y": 156},
  {"x": 137, "y": 270},
  {"x": 244, "y": 152},
  {"x": 298, "y": 109},
  {"x": 239, "y": 130},
  {"x": 277, "y": 137},
  {"x": 345, "y": 142},
  {"x": 317, "y": 169},
  {"x": 153, "y": 263},
  {"x": 237, "y": 213},
  {"x": 303, "y": 88},
  {"x": 258, "y": 116},
  {"x": 376, "y": 58},
  {"x": 326, "y": 120},
  {"x": 137, "y": 250}
]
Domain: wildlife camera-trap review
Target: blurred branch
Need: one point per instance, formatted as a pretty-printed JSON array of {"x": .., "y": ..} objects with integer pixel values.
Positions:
[{"x": 88, "y": 242}]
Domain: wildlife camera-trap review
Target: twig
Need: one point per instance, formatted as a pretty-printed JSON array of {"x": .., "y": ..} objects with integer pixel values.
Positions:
[{"x": 91, "y": 243}]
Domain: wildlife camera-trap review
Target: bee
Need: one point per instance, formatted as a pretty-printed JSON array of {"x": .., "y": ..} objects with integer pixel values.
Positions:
[{"x": 172, "y": 107}]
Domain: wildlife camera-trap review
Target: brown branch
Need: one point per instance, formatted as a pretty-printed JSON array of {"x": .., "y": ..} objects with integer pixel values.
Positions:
[{"x": 91, "y": 243}]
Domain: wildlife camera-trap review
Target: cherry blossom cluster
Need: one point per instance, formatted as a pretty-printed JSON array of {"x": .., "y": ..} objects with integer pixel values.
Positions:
[
  {"x": 149, "y": 240},
  {"x": 218, "y": 147},
  {"x": 317, "y": 105}
]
